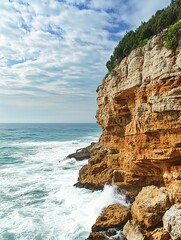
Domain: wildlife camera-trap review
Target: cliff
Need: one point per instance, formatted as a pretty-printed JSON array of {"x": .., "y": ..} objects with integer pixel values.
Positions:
[{"x": 139, "y": 110}]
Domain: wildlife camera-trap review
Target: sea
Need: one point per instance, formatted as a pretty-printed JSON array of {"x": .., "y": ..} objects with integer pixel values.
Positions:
[{"x": 37, "y": 198}]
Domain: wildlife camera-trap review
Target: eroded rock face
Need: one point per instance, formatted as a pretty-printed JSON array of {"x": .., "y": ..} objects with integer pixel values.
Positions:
[
  {"x": 150, "y": 206},
  {"x": 172, "y": 178},
  {"x": 139, "y": 110},
  {"x": 172, "y": 221},
  {"x": 114, "y": 215}
]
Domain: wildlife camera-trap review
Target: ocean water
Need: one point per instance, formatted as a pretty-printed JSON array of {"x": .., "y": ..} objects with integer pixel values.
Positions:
[{"x": 37, "y": 197}]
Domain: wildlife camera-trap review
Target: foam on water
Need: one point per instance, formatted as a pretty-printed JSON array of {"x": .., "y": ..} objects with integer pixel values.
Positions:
[{"x": 37, "y": 197}]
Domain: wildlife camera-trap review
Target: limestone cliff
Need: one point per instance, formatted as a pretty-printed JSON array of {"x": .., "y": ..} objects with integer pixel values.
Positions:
[{"x": 139, "y": 110}]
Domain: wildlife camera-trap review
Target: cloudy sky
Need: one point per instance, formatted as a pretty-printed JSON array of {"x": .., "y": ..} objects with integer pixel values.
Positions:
[{"x": 53, "y": 54}]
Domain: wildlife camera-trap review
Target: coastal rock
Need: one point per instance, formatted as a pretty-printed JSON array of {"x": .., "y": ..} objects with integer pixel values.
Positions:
[
  {"x": 159, "y": 234},
  {"x": 150, "y": 205},
  {"x": 114, "y": 215},
  {"x": 100, "y": 173},
  {"x": 133, "y": 231},
  {"x": 172, "y": 180},
  {"x": 111, "y": 232},
  {"x": 97, "y": 236},
  {"x": 172, "y": 221},
  {"x": 82, "y": 153},
  {"x": 100, "y": 236},
  {"x": 139, "y": 110}
]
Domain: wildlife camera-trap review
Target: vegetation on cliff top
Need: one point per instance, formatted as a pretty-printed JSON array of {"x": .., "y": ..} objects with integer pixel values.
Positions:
[
  {"x": 166, "y": 18},
  {"x": 173, "y": 35}
]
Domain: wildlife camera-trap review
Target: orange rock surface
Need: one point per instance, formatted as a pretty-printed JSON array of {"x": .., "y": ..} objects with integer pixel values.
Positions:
[
  {"x": 150, "y": 205},
  {"x": 114, "y": 215},
  {"x": 139, "y": 110}
]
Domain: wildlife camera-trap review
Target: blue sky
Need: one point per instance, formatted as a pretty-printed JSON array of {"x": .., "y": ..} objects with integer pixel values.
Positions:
[{"x": 53, "y": 54}]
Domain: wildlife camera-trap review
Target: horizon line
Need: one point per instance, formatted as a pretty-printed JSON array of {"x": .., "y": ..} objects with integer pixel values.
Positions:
[{"x": 47, "y": 122}]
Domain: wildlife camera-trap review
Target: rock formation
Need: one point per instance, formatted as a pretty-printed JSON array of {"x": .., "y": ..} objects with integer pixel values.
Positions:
[
  {"x": 172, "y": 221},
  {"x": 114, "y": 215},
  {"x": 82, "y": 153},
  {"x": 133, "y": 231},
  {"x": 152, "y": 217},
  {"x": 139, "y": 110},
  {"x": 150, "y": 205}
]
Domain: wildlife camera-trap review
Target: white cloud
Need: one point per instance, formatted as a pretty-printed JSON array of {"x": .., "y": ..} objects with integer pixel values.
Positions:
[{"x": 58, "y": 49}]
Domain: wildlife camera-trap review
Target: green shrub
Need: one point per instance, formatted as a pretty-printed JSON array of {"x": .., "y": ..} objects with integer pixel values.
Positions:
[
  {"x": 107, "y": 74},
  {"x": 97, "y": 90},
  {"x": 172, "y": 36},
  {"x": 143, "y": 42},
  {"x": 138, "y": 38}
]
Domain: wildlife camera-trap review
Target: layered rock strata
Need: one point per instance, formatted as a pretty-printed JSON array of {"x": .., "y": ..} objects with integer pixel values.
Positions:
[{"x": 139, "y": 110}]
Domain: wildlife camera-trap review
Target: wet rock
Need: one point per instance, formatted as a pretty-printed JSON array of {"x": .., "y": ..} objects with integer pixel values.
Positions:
[
  {"x": 172, "y": 221},
  {"x": 114, "y": 215},
  {"x": 89, "y": 186},
  {"x": 150, "y": 205},
  {"x": 97, "y": 236},
  {"x": 111, "y": 232},
  {"x": 82, "y": 153}
]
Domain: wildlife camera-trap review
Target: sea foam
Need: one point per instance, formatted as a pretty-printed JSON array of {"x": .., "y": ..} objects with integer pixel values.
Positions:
[{"x": 38, "y": 200}]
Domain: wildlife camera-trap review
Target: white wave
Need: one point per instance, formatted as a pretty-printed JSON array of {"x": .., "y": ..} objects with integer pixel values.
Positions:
[{"x": 41, "y": 202}]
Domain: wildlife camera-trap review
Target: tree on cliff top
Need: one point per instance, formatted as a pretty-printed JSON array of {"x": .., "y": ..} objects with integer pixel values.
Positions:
[{"x": 138, "y": 38}]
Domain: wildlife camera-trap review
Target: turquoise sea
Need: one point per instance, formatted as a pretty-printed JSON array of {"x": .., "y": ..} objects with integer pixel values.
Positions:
[{"x": 37, "y": 197}]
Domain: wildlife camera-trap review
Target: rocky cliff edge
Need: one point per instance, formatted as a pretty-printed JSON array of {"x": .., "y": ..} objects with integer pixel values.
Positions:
[{"x": 139, "y": 110}]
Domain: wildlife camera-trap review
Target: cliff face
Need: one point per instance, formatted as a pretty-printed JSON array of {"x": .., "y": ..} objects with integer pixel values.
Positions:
[{"x": 139, "y": 110}]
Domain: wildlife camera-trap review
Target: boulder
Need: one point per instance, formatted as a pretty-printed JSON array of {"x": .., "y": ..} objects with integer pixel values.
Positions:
[
  {"x": 100, "y": 236},
  {"x": 114, "y": 215},
  {"x": 97, "y": 236},
  {"x": 159, "y": 234},
  {"x": 133, "y": 231},
  {"x": 150, "y": 205},
  {"x": 175, "y": 190},
  {"x": 172, "y": 221}
]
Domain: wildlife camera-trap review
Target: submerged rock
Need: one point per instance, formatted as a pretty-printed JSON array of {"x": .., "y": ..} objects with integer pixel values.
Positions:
[
  {"x": 82, "y": 153},
  {"x": 150, "y": 205},
  {"x": 114, "y": 215}
]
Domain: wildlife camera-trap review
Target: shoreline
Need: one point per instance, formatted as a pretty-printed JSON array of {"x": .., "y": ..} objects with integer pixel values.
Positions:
[{"x": 139, "y": 149}]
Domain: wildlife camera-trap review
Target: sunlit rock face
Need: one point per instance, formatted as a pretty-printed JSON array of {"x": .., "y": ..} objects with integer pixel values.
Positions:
[{"x": 139, "y": 110}]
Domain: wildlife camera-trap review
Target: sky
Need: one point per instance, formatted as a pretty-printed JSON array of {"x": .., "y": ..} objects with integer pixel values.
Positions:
[{"x": 53, "y": 54}]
